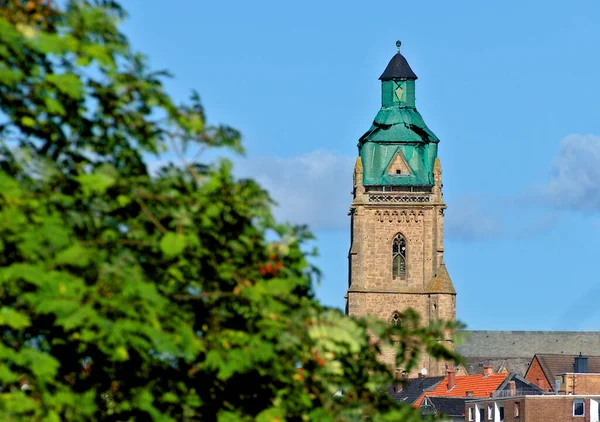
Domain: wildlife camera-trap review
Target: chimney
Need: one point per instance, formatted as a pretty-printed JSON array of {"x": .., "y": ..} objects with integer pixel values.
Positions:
[
  {"x": 451, "y": 379},
  {"x": 469, "y": 394},
  {"x": 487, "y": 370},
  {"x": 581, "y": 364},
  {"x": 512, "y": 388},
  {"x": 400, "y": 381},
  {"x": 420, "y": 375}
]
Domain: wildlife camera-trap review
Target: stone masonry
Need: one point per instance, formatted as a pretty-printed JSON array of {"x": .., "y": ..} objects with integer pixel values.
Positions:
[
  {"x": 426, "y": 288},
  {"x": 396, "y": 258}
]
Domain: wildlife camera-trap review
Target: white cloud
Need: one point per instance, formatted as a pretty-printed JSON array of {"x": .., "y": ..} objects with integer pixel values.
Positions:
[
  {"x": 575, "y": 178},
  {"x": 312, "y": 188},
  {"x": 468, "y": 220}
]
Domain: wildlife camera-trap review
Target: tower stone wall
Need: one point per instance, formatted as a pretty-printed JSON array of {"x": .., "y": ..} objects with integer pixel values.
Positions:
[{"x": 398, "y": 192}]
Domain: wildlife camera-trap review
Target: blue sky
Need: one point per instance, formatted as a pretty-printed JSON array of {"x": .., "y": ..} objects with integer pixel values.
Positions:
[{"x": 511, "y": 89}]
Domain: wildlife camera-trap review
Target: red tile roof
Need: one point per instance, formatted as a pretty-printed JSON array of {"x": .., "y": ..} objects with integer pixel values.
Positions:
[{"x": 480, "y": 385}]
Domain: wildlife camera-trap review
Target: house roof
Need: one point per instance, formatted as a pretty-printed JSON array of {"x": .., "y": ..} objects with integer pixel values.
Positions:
[
  {"x": 398, "y": 68},
  {"x": 474, "y": 364},
  {"x": 522, "y": 386},
  {"x": 451, "y": 406},
  {"x": 414, "y": 388},
  {"x": 479, "y": 385},
  {"x": 441, "y": 283},
  {"x": 525, "y": 344},
  {"x": 556, "y": 364}
]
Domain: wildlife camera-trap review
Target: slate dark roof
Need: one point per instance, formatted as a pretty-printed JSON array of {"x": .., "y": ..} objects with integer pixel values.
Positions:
[
  {"x": 451, "y": 406},
  {"x": 525, "y": 344},
  {"x": 474, "y": 364},
  {"x": 523, "y": 387},
  {"x": 414, "y": 388},
  {"x": 398, "y": 68},
  {"x": 557, "y": 364}
]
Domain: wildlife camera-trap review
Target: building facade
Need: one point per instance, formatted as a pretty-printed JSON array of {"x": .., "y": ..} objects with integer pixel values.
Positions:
[
  {"x": 546, "y": 408},
  {"x": 396, "y": 258},
  {"x": 545, "y": 368}
]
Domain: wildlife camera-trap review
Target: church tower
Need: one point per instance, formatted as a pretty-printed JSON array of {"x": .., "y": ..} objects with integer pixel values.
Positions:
[{"x": 396, "y": 258}]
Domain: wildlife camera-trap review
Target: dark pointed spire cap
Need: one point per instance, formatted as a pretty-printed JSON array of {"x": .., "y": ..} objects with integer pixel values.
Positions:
[{"x": 398, "y": 68}]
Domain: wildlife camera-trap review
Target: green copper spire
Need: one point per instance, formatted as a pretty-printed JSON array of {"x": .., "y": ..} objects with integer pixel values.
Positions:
[{"x": 398, "y": 133}]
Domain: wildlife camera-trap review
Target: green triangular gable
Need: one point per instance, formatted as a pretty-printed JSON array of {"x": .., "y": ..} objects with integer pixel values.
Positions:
[{"x": 376, "y": 158}]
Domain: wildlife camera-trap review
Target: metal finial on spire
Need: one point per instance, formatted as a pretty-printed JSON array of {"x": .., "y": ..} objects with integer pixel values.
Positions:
[{"x": 398, "y": 44}]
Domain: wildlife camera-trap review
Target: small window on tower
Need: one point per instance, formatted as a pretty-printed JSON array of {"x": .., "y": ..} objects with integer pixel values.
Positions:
[
  {"x": 396, "y": 319},
  {"x": 399, "y": 257},
  {"x": 398, "y": 171}
]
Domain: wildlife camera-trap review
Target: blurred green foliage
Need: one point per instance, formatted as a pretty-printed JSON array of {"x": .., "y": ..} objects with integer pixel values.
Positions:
[{"x": 168, "y": 294}]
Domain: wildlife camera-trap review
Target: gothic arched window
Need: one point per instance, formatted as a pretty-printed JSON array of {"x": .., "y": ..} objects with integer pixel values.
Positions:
[{"x": 399, "y": 257}]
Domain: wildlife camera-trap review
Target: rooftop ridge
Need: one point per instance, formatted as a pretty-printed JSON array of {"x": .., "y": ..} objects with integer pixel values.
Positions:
[{"x": 528, "y": 343}]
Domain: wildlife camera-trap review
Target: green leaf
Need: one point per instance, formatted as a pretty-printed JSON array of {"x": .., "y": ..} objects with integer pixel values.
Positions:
[
  {"x": 27, "y": 121},
  {"x": 100, "y": 53},
  {"x": 172, "y": 244},
  {"x": 121, "y": 353},
  {"x": 9, "y": 187},
  {"x": 95, "y": 183},
  {"x": 6, "y": 375},
  {"x": 227, "y": 416},
  {"x": 76, "y": 255},
  {"x": 123, "y": 200},
  {"x": 43, "y": 366},
  {"x": 170, "y": 397},
  {"x": 54, "y": 106},
  {"x": 9, "y": 76},
  {"x": 18, "y": 403},
  {"x": 49, "y": 43},
  {"x": 52, "y": 417},
  {"x": 13, "y": 319},
  {"x": 68, "y": 83},
  {"x": 28, "y": 31},
  {"x": 270, "y": 415}
]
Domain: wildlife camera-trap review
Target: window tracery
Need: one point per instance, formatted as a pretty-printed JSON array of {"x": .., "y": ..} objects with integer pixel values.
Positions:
[{"x": 399, "y": 257}]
